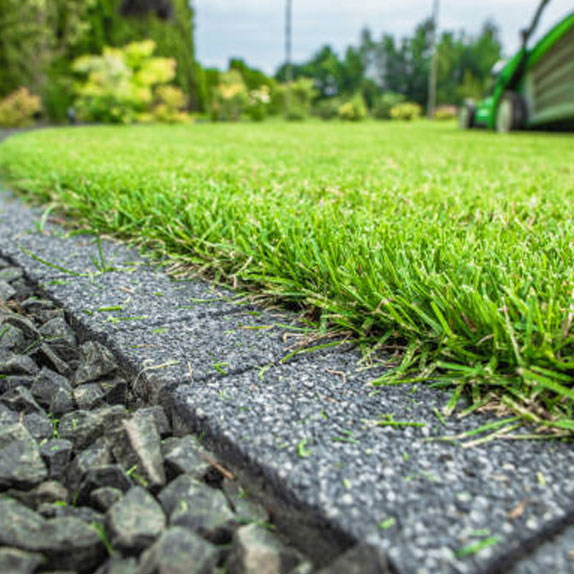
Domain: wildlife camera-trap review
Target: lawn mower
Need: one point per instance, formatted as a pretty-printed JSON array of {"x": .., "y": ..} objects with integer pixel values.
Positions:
[{"x": 535, "y": 88}]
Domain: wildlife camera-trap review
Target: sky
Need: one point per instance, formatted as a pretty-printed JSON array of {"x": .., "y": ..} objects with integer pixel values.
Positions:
[{"x": 254, "y": 29}]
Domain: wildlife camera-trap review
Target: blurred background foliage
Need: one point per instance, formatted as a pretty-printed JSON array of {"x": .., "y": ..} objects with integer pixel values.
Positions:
[{"x": 42, "y": 41}]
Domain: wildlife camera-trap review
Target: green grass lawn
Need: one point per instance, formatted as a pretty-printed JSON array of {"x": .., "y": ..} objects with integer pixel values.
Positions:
[{"x": 456, "y": 247}]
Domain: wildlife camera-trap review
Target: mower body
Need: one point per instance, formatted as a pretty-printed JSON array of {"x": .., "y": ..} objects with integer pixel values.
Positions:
[{"x": 535, "y": 89}]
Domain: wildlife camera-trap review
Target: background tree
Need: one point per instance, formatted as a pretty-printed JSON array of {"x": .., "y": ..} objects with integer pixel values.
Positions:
[
  {"x": 39, "y": 39},
  {"x": 393, "y": 65}
]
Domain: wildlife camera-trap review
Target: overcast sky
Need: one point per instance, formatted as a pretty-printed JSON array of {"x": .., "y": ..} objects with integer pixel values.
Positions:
[{"x": 253, "y": 29}]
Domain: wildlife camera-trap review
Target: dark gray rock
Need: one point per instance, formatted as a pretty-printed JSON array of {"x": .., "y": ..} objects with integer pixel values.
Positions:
[
  {"x": 66, "y": 543},
  {"x": 45, "y": 493},
  {"x": 305, "y": 567},
  {"x": 84, "y": 427},
  {"x": 136, "y": 443},
  {"x": 58, "y": 330},
  {"x": 361, "y": 559},
  {"x": 10, "y": 274},
  {"x": 112, "y": 475},
  {"x": 89, "y": 396},
  {"x": 199, "y": 508},
  {"x": 12, "y": 339},
  {"x": 119, "y": 565},
  {"x": 258, "y": 551},
  {"x": 186, "y": 456},
  {"x": 245, "y": 507},
  {"x": 21, "y": 399},
  {"x": 23, "y": 288},
  {"x": 115, "y": 391},
  {"x": 7, "y": 292},
  {"x": 14, "y": 561},
  {"x": 47, "y": 354},
  {"x": 95, "y": 456},
  {"x": 7, "y": 416},
  {"x": 47, "y": 386},
  {"x": 61, "y": 403},
  {"x": 34, "y": 305},
  {"x": 60, "y": 510},
  {"x": 104, "y": 498},
  {"x": 136, "y": 521},
  {"x": 57, "y": 454},
  {"x": 23, "y": 323},
  {"x": 10, "y": 382},
  {"x": 20, "y": 462},
  {"x": 49, "y": 492},
  {"x": 21, "y": 527},
  {"x": 95, "y": 362},
  {"x": 160, "y": 418},
  {"x": 179, "y": 551},
  {"x": 19, "y": 365},
  {"x": 39, "y": 426},
  {"x": 60, "y": 337}
]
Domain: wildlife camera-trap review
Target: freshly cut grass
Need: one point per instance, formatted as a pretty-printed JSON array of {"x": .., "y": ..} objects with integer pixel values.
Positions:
[{"x": 455, "y": 247}]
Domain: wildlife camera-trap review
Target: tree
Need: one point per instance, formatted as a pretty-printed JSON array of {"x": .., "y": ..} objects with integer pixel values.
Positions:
[{"x": 402, "y": 66}]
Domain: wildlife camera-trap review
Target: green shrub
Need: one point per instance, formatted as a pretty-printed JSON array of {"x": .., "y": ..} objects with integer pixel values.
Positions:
[
  {"x": 327, "y": 109},
  {"x": 258, "y": 103},
  {"x": 446, "y": 113},
  {"x": 297, "y": 99},
  {"x": 230, "y": 97},
  {"x": 19, "y": 108},
  {"x": 296, "y": 114},
  {"x": 118, "y": 86},
  {"x": 354, "y": 110},
  {"x": 406, "y": 111},
  {"x": 385, "y": 103},
  {"x": 170, "y": 105}
]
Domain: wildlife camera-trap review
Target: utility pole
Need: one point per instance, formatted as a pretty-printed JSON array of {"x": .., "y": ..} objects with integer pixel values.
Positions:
[
  {"x": 288, "y": 50},
  {"x": 434, "y": 64}
]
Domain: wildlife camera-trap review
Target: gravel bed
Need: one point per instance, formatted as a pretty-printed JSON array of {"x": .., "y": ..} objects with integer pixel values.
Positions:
[{"x": 93, "y": 480}]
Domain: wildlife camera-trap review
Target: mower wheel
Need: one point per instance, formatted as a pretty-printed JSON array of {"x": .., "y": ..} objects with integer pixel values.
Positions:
[
  {"x": 466, "y": 116},
  {"x": 511, "y": 113}
]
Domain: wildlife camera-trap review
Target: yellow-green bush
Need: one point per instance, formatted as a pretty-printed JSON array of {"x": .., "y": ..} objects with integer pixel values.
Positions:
[
  {"x": 446, "y": 113},
  {"x": 170, "y": 105},
  {"x": 230, "y": 97},
  {"x": 19, "y": 108},
  {"x": 297, "y": 98},
  {"x": 258, "y": 103},
  {"x": 406, "y": 111},
  {"x": 354, "y": 110},
  {"x": 118, "y": 86},
  {"x": 385, "y": 103}
]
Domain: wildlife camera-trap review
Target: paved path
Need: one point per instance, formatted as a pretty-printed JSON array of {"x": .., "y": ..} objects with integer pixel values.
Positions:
[{"x": 308, "y": 428}]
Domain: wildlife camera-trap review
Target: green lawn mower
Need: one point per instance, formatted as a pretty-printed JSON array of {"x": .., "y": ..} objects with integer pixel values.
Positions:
[{"x": 534, "y": 89}]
